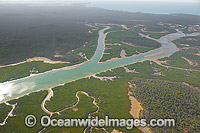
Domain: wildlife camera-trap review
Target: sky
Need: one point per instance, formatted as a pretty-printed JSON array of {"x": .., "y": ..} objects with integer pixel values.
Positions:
[{"x": 30, "y": 1}]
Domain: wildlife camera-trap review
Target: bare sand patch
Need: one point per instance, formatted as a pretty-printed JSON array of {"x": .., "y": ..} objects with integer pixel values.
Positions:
[
  {"x": 112, "y": 59},
  {"x": 193, "y": 63},
  {"x": 130, "y": 71},
  {"x": 186, "y": 45},
  {"x": 114, "y": 44},
  {"x": 146, "y": 30},
  {"x": 45, "y": 60},
  {"x": 136, "y": 108},
  {"x": 192, "y": 39},
  {"x": 91, "y": 26},
  {"x": 75, "y": 109},
  {"x": 125, "y": 27},
  {"x": 82, "y": 54},
  {"x": 58, "y": 55},
  {"x": 104, "y": 78},
  {"x": 135, "y": 105},
  {"x": 123, "y": 53},
  {"x": 163, "y": 51},
  {"x": 115, "y": 131},
  {"x": 145, "y": 129}
]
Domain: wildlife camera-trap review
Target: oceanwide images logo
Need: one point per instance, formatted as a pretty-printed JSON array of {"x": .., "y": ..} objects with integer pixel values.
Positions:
[
  {"x": 30, "y": 121},
  {"x": 46, "y": 121}
]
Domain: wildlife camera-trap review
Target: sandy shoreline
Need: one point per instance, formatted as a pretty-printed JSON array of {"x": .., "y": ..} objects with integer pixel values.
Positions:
[
  {"x": 64, "y": 68},
  {"x": 74, "y": 66},
  {"x": 44, "y": 59},
  {"x": 158, "y": 40},
  {"x": 158, "y": 53}
]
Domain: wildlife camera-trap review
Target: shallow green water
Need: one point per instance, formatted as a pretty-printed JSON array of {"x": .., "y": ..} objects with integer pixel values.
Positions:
[{"x": 20, "y": 87}]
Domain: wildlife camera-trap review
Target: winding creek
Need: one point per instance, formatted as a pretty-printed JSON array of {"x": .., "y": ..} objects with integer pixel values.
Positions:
[{"x": 17, "y": 88}]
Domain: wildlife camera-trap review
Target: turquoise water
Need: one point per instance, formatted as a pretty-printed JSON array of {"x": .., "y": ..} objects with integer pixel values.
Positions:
[
  {"x": 20, "y": 87},
  {"x": 151, "y": 7}
]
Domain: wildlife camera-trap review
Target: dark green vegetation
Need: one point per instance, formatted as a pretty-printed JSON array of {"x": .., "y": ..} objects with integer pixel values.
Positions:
[
  {"x": 167, "y": 100},
  {"x": 25, "y": 106},
  {"x": 4, "y": 109},
  {"x": 25, "y": 69},
  {"x": 49, "y": 30},
  {"x": 191, "y": 41},
  {"x": 186, "y": 31},
  {"x": 116, "y": 50},
  {"x": 39, "y": 32},
  {"x": 34, "y": 67},
  {"x": 188, "y": 56},
  {"x": 131, "y": 37},
  {"x": 29, "y": 31},
  {"x": 152, "y": 70},
  {"x": 41, "y": 39},
  {"x": 155, "y": 35},
  {"x": 115, "y": 28},
  {"x": 89, "y": 48},
  {"x": 106, "y": 94},
  {"x": 111, "y": 97},
  {"x": 136, "y": 43},
  {"x": 179, "y": 59},
  {"x": 82, "y": 110}
]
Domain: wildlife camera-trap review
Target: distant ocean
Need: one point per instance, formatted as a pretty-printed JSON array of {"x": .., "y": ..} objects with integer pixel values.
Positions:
[{"x": 151, "y": 7}]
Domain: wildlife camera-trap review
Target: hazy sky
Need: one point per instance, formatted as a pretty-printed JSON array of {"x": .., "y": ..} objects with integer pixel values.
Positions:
[{"x": 57, "y": 1}]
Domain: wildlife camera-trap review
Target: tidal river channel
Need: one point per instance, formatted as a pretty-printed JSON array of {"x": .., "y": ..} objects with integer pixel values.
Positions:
[{"x": 16, "y": 88}]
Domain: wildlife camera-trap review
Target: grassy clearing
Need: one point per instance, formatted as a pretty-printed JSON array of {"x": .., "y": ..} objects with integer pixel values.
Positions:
[
  {"x": 116, "y": 50},
  {"x": 131, "y": 37},
  {"x": 146, "y": 70},
  {"x": 155, "y": 35},
  {"x": 114, "y": 28},
  {"x": 112, "y": 97},
  {"x": 176, "y": 59},
  {"x": 25, "y": 69}
]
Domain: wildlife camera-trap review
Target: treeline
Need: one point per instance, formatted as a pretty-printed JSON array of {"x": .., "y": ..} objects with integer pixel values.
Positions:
[
  {"x": 147, "y": 70},
  {"x": 28, "y": 31},
  {"x": 165, "y": 99},
  {"x": 180, "y": 59},
  {"x": 192, "y": 41},
  {"x": 25, "y": 69},
  {"x": 131, "y": 37}
]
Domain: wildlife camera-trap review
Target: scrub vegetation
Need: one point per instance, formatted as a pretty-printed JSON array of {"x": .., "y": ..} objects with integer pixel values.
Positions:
[
  {"x": 162, "y": 96},
  {"x": 169, "y": 100},
  {"x": 128, "y": 40},
  {"x": 61, "y": 33},
  {"x": 25, "y": 69}
]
